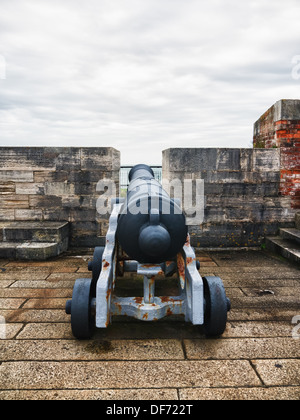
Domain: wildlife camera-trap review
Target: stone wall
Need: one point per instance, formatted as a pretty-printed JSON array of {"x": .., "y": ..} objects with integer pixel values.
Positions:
[
  {"x": 58, "y": 184},
  {"x": 243, "y": 203},
  {"x": 279, "y": 127}
]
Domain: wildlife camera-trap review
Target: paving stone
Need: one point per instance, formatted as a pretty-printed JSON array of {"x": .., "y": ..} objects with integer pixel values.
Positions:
[
  {"x": 242, "y": 348},
  {"x": 279, "y": 371},
  {"x": 9, "y": 331},
  {"x": 258, "y": 329},
  {"x": 118, "y": 375},
  {"x": 257, "y": 314},
  {"x": 278, "y": 393},
  {"x": 44, "y": 330},
  {"x": 16, "y": 274},
  {"x": 45, "y": 303},
  {"x": 91, "y": 350},
  {"x": 7, "y": 303},
  {"x": 5, "y": 283},
  {"x": 43, "y": 284},
  {"x": 35, "y": 315},
  {"x": 278, "y": 291},
  {"x": 16, "y": 292},
  {"x": 266, "y": 301},
  {"x": 101, "y": 394}
]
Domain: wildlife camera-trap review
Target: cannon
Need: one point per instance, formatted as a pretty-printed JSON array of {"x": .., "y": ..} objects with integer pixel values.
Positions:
[{"x": 148, "y": 236}]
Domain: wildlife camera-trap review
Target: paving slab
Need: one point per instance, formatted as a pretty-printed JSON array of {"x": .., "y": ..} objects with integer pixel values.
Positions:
[
  {"x": 126, "y": 374},
  {"x": 242, "y": 348},
  {"x": 248, "y": 394},
  {"x": 91, "y": 350},
  {"x": 279, "y": 371},
  {"x": 257, "y": 357},
  {"x": 99, "y": 394}
]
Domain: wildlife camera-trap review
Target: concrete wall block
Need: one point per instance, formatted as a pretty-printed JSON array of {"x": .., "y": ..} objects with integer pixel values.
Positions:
[
  {"x": 214, "y": 214},
  {"x": 15, "y": 175},
  {"x": 59, "y": 188},
  {"x": 264, "y": 176},
  {"x": 14, "y": 202},
  {"x": 64, "y": 158},
  {"x": 222, "y": 177},
  {"x": 265, "y": 160},
  {"x": 213, "y": 189},
  {"x": 56, "y": 214},
  {"x": 237, "y": 214},
  {"x": 95, "y": 158},
  {"x": 30, "y": 188},
  {"x": 192, "y": 158},
  {"x": 51, "y": 176},
  {"x": 86, "y": 176},
  {"x": 45, "y": 202},
  {"x": 7, "y": 214},
  {"x": 228, "y": 159},
  {"x": 28, "y": 214},
  {"x": 80, "y": 214},
  {"x": 246, "y": 160},
  {"x": 7, "y": 188},
  {"x": 30, "y": 158}
]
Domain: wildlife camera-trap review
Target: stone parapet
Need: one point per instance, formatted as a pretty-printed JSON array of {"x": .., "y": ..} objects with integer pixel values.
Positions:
[
  {"x": 58, "y": 184},
  {"x": 242, "y": 199}
]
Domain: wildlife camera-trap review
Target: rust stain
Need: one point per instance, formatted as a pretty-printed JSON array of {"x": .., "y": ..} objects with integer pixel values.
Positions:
[
  {"x": 169, "y": 312},
  {"x": 165, "y": 299},
  {"x": 106, "y": 264},
  {"x": 107, "y": 320},
  {"x": 138, "y": 300},
  {"x": 145, "y": 316},
  {"x": 181, "y": 266},
  {"x": 119, "y": 306},
  {"x": 108, "y": 293}
]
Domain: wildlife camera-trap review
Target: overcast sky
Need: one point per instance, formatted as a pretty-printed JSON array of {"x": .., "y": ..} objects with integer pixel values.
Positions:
[{"x": 143, "y": 75}]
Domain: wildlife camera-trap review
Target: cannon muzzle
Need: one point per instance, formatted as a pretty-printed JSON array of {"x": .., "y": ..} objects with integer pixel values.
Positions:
[{"x": 151, "y": 225}]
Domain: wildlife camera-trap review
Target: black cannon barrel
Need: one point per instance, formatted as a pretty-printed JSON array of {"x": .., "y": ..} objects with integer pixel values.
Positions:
[{"x": 151, "y": 226}]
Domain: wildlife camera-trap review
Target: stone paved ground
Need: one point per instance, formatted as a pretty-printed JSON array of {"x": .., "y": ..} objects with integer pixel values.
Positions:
[{"x": 257, "y": 358}]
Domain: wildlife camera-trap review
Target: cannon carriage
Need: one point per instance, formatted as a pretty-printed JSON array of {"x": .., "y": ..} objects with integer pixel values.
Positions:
[{"x": 147, "y": 235}]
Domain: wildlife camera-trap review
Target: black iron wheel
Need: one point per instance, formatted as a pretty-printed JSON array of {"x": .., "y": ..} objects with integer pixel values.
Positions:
[
  {"x": 216, "y": 306},
  {"x": 95, "y": 267},
  {"x": 82, "y": 321}
]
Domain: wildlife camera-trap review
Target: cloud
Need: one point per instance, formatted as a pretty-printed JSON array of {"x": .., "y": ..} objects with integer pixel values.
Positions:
[{"x": 143, "y": 76}]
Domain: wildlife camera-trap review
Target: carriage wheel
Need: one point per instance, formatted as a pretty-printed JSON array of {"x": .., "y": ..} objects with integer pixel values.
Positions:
[
  {"x": 216, "y": 306},
  {"x": 79, "y": 307}
]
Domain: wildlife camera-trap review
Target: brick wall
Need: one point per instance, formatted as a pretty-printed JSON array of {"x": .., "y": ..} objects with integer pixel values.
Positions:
[
  {"x": 243, "y": 203},
  {"x": 58, "y": 184},
  {"x": 279, "y": 127}
]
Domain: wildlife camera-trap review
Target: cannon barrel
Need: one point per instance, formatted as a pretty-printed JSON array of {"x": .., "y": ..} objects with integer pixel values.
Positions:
[{"x": 151, "y": 225}]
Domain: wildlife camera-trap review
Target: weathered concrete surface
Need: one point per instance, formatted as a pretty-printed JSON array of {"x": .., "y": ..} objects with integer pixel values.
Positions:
[
  {"x": 58, "y": 184},
  {"x": 242, "y": 201},
  {"x": 257, "y": 357}
]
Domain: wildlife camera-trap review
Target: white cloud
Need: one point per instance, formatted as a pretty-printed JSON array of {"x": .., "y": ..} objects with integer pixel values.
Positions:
[{"x": 146, "y": 75}]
